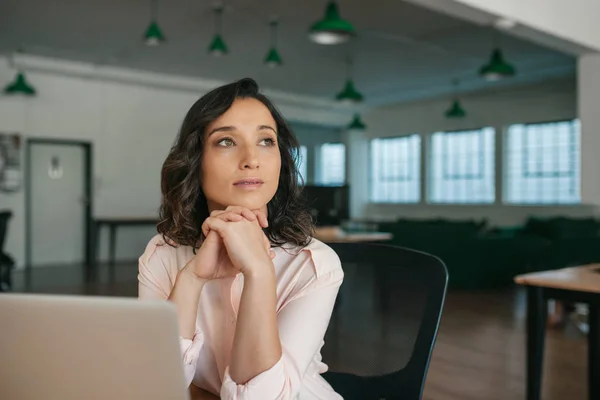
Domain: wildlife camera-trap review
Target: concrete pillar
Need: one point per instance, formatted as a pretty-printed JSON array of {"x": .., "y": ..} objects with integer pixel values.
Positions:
[
  {"x": 357, "y": 171},
  {"x": 588, "y": 99}
]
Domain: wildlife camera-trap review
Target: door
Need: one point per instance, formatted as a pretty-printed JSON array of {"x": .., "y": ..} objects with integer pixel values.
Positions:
[{"x": 57, "y": 204}]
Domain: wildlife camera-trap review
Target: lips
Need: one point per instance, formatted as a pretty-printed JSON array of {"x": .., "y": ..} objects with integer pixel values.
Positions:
[{"x": 249, "y": 182}]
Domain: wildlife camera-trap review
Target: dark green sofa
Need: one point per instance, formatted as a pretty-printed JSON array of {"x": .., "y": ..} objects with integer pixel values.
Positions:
[
  {"x": 480, "y": 256},
  {"x": 476, "y": 256}
]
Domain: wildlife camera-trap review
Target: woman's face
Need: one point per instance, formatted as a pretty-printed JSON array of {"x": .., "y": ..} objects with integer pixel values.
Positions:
[{"x": 241, "y": 160}]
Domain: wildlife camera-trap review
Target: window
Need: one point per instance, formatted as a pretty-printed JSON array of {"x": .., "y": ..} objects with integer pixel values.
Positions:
[
  {"x": 396, "y": 169},
  {"x": 543, "y": 163},
  {"x": 332, "y": 168},
  {"x": 302, "y": 165},
  {"x": 462, "y": 167}
]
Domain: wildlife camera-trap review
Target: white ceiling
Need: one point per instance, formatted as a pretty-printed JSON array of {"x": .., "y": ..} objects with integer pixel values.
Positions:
[{"x": 403, "y": 52}]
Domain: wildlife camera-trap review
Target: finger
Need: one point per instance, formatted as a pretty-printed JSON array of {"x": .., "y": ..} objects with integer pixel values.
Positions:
[
  {"x": 215, "y": 224},
  {"x": 229, "y": 216},
  {"x": 262, "y": 218},
  {"x": 245, "y": 212},
  {"x": 224, "y": 216},
  {"x": 205, "y": 229},
  {"x": 267, "y": 243},
  {"x": 216, "y": 212}
]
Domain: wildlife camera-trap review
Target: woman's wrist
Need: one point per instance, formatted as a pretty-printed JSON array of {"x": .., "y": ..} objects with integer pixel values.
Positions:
[
  {"x": 189, "y": 278},
  {"x": 260, "y": 271}
]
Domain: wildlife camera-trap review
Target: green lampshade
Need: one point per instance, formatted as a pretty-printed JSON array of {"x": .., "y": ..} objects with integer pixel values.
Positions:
[
  {"x": 497, "y": 68},
  {"x": 357, "y": 124},
  {"x": 20, "y": 86},
  {"x": 349, "y": 94},
  {"x": 332, "y": 29},
  {"x": 218, "y": 46},
  {"x": 273, "y": 59},
  {"x": 154, "y": 35},
  {"x": 456, "y": 110}
]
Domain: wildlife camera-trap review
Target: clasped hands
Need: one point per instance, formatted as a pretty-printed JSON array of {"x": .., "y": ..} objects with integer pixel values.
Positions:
[{"x": 234, "y": 242}]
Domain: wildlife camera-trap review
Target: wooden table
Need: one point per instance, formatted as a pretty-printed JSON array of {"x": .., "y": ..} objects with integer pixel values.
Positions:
[
  {"x": 200, "y": 394},
  {"x": 336, "y": 235},
  {"x": 325, "y": 234},
  {"x": 113, "y": 224},
  {"x": 575, "y": 284}
]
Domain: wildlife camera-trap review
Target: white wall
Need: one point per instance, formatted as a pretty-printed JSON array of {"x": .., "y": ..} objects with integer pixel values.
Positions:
[
  {"x": 131, "y": 126},
  {"x": 536, "y": 103}
]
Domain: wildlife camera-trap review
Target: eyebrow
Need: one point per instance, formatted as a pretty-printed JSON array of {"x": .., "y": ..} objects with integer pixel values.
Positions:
[
  {"x": 260, "y": 128},
  {"x": 221, "y": 129},
  {"x": 232, "y": 128}
]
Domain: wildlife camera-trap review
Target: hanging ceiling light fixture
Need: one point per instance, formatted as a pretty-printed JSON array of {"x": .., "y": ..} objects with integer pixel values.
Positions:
[
  {"x": 357, "y": 124},
  {"x": 153, "y": 35},
  {"x": 217, "y": 46},
  {"x": 456, "y": 110},
  {"x": 497, "y": 68},
  {"x": 349, "y": 94},
  {"x": 332, "y": 29},
  {"x": 273, "y": 59},
  {"x": 20, "y": 85}
]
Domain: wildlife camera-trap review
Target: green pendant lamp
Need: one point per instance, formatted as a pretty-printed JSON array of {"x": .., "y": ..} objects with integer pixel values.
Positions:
[
  {"x": 357, "y": 124},
  {"x": 332, "y": 29},
  {"x": 20, "y": 86},
  {"x": 218, "y": 47},
  {"x": 153, "y": 35},
  {"x": 456, "y": 110},
  {"x": 273, "y": 58},
  {"x": 497, "y": 68},
  {"x": 349, "y": 94}
]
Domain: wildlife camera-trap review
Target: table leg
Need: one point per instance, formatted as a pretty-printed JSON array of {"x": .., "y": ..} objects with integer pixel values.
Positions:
[
  {"x": 92, "y": 266},
  {"x": 112, "y": 252},
  {"x": 594, "y": 352},
  {"x": 537, "y": 312}
]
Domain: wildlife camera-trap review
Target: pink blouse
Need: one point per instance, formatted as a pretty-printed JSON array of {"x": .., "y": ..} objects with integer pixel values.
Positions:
[{"x": 308, "y": 280}]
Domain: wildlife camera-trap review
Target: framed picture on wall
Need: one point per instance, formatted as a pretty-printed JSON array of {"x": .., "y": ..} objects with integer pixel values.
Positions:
[{"x": 10, "y": 162}]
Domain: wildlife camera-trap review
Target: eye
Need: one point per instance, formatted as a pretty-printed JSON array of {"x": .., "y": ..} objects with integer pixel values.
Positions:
[
  {"x": 267, "y": 142},
  {"x": 226, "y": 142}
]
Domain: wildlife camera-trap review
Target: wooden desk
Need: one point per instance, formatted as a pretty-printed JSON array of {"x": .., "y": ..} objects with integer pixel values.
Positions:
[
  {"x": 113, "y": 224},
  {"x": 325, "y": 234},
  {"x": 200, "y": 394},
  {"x": 575, "y": 284},
  {"x": 336, "y": 235}
]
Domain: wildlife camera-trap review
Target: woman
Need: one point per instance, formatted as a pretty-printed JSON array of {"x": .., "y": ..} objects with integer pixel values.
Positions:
[{"x": 253, "y": 290}]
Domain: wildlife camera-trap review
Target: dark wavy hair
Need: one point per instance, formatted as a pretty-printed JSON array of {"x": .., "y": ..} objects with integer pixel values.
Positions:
[{"x": 184, "y": 206}]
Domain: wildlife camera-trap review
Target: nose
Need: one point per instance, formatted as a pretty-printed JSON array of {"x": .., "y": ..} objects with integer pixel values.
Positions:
[{"x": 249, "y": 158}]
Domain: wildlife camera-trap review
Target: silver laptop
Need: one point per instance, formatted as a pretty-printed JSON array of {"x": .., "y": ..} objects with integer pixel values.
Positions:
[{"x": 75, "y": 347}]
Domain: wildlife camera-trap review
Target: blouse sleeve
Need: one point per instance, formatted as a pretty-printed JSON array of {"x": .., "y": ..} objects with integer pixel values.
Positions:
[
  {"x": 302, "y": 324},
  {"x": 155, "y": 283}
]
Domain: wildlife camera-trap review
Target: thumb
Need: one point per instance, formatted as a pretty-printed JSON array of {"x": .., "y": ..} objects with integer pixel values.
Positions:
[{"x": 211, "y": 239}]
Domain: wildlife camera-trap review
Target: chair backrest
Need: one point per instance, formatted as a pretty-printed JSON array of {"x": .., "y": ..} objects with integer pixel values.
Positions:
[
  {"x": 4, "y": 218},
  {"x": 386, "y": 318}
]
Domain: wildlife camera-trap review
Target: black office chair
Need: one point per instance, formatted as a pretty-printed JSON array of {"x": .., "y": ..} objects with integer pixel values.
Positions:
[
  {"x": 383, "y": 329},
  {"x": 6, "y": 262}
]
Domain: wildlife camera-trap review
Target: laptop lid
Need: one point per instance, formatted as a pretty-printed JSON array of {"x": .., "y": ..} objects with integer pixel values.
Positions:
[{"x": 56, "y": 347}]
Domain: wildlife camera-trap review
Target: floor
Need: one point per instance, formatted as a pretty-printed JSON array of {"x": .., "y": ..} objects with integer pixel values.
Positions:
[{"x": 479, "y": 353}]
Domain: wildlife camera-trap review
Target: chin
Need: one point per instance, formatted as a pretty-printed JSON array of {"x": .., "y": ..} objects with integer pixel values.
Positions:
[{"x": 250, "y": 202}]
